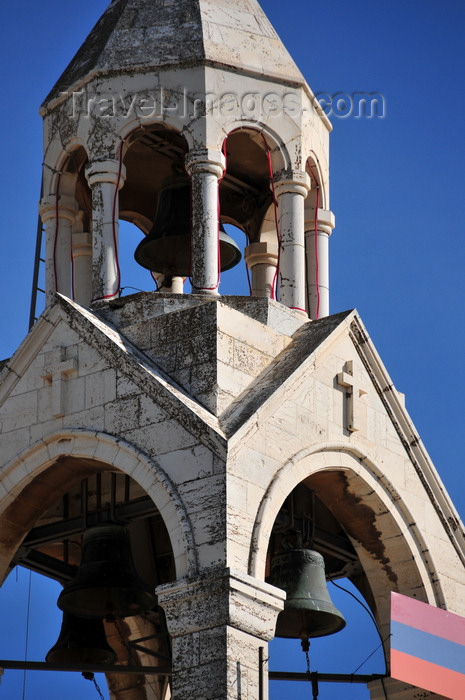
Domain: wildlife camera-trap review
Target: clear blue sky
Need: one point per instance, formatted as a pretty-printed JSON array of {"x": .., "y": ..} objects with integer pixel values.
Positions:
[{"x": 397, "y": 190}]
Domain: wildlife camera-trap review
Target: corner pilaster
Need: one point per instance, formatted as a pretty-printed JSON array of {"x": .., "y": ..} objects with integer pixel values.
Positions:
[{"x": 218, "y": 621}]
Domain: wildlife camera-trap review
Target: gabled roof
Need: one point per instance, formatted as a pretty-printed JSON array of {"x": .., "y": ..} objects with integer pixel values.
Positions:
[
  {"x": 145, "y": 34},
  {"x": 110, "y": 344}
]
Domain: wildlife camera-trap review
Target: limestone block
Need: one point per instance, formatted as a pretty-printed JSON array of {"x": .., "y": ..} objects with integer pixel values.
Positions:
[
  {"x": 88, "y": 360},
  {"x": 160, "y": 437},
  {"x": 13, "y": 443},
  {"x": 253, "y": 465},
  {"x": 19, "y": 412},
  {"x": 100, "y": 387},
  {"x": 46, "y": 427},
  {"x": 122, "y": 415},
  {"x": 249, "y": 360},
  {"x": 75, "y": 394},
  {"x": 107, "y": 451},
  {"x": 149, "y": 412},
  {"x": 232, "y": 380},
  {"x": 204, "y": 682},
  {"x": 221, "y": 597},
  {"x": 376, "y": 426},
  {"x": 192, "y": 463},
  {"x": 94, "y": 417},
  {"x": 125, "y": 386},
  {"x": 250, "y": 332},
  {"x": 225, "y": 347},
  {"x": 32, "y": 379},
  {"x": 327, "y": 403},
  {"x": 183, "y": 378}
]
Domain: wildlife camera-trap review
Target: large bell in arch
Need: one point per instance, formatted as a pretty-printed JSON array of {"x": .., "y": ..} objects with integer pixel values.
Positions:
[
  {"x": 81, "y": 641},
  {"x": 167, "y": 247},
  {"x": 308, "y": 609},
  {"x": 106, "y": 584}
]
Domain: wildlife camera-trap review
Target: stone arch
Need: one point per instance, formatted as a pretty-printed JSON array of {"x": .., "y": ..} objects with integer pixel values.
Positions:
[
  {"x": 280, "y": 156},
  {"x": 314, "y": 170},
  {"x": 42, "y": 473},
  {"x": 152, "y": 155},
  {"x": 391, "y": 549},
  {"x": 55, "y": 159},
  {"x": 168, "y": 121},
  {"x": 246, "y": 199}
]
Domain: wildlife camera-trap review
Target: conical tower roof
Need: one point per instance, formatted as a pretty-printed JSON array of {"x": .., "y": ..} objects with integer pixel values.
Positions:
[{"x": 149, "y": 34}]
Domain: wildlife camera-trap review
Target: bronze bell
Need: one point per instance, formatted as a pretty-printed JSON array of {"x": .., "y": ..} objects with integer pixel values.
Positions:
[
  {"x": 308, "y": 609},
  {"x": 106, "y": 584},
  {"x": 167, "y": 247},
  {"x": 81, "y": 641}
]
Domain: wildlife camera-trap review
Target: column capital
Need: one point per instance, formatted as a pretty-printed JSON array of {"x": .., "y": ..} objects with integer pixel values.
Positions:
[
  {"x": 261, "y": 253},
  {"x": 205, "y": 160},
  {"x": 325, "y": 221},
  {"x": 221, "y": 597},
  {"x": 81, "y": 243},
  {"x": 67, "y": 207},
  {"x": 294, "y": 182},
  {"x": 112, "y": 171}
]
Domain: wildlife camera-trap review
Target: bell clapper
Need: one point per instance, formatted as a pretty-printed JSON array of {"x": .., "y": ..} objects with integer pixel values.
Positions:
[
  {"x": 89, "y": 676},
  {"x": 305, "y": 642}
]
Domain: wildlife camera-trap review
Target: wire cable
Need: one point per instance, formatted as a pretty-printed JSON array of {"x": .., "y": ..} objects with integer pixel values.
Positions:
[
  {"x": 373, "y": 619},
  {"x": 315, "y": 239},
  {"x": 57, "y": 220},
  {"x": 27, "y": 631},
  {"x": 274, "y": 292}
]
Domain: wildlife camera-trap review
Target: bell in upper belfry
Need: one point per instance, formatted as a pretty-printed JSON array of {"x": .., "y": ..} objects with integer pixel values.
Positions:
[
  {"x": 106, "y": 584},
  {"x": 308, "y": 609},
  {"x": 81, "y": 641},
  {"x": 167, "y": 247}
]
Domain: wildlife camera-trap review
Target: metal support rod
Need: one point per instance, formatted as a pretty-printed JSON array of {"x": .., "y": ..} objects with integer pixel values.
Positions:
[
  {"x": 314, "y": 677},
  {"x": 37, "y": 261},
  {"x": 136, "y": 644},
  {"x": 113, "y": 496},
  {"x": 98, "y": 489},
  {"x": 260, "y": 673},
  {"x": 84, "y": 503},
  {"x": 324, "y": 677},
  {"x": 87, "y": 668}
]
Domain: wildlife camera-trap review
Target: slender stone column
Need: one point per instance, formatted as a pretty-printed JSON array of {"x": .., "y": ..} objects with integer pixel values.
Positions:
[
  {"x": 81, "y": 251},
  {"x": 262, "y": 259},
  {"x": 291, "y": 193},
  {"x": 318, "y": 261},
  {"x": 58, "y": 214},
  {"x": 218, "y": 622},
  {"x": 205, "y": 167},
  {"x": 169, "y": 285},
  {"x": 105, "y": 178}
]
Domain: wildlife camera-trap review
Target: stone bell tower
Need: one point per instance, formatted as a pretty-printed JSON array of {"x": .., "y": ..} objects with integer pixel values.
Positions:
[{"x": 214, "y": 428}]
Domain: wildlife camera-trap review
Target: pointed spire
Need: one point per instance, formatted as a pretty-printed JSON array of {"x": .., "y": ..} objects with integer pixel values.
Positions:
[{"x": 149, "y": 34}]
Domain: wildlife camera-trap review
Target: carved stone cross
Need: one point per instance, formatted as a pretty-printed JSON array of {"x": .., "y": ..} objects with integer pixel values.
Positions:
[
  {"x": 56, "y": 374},
  {"x": 346, "y": 379}
]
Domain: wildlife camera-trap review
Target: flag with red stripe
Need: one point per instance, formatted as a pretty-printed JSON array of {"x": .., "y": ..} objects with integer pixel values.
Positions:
[{"x": 427, "y": 647}]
